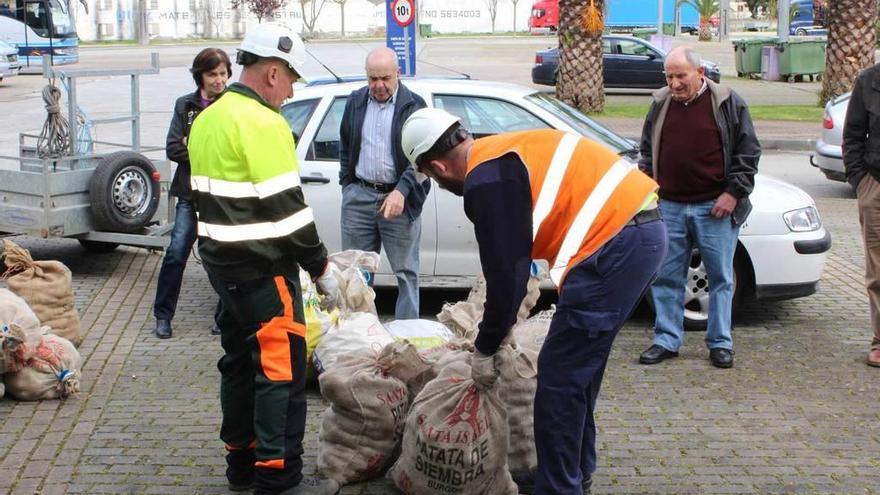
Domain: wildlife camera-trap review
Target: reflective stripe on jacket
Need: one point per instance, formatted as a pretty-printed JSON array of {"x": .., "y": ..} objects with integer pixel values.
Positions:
[
  {"x": 583, "y": 194},
  {"x": 252, "y": 216}
]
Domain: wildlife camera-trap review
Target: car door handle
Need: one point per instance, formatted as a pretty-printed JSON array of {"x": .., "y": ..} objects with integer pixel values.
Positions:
[{"x": 314, "y": 179}]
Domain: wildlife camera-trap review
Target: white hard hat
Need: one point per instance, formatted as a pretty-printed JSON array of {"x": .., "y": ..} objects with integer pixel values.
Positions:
[
  {"x": 277, "y": 41},
  {"x": 422, "y": 130}
]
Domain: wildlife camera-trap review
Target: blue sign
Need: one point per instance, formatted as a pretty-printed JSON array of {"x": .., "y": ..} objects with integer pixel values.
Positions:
[{"x": 400, "y": 38}]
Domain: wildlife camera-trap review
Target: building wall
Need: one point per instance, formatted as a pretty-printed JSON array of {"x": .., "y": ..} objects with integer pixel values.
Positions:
[{"x": 181, "y": 19}]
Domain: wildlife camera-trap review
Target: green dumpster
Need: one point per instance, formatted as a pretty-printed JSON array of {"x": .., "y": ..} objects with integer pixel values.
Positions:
[
  {"x": 644, "y": 33},
  {"x": 425, "y": 30},
  {"x": 748, "y": 54},
  {"x": 801, "y": 56}
]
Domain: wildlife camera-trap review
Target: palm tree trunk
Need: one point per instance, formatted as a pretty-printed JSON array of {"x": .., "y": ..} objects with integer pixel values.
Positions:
[
  {"x": 579, "y": 81},
  {"x": 851, "y": 41}
]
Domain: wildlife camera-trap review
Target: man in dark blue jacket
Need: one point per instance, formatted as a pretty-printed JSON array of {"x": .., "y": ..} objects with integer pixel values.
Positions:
[{"x": 381, "y": 196}]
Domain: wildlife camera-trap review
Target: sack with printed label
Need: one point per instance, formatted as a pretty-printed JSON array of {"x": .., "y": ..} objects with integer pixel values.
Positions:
[
  {"x": 14, "y": 350},
  {"x": 437, "y": 358},
  {"x": 455, "y": 440},
  {"x": 517, "y": 384},
  {"x": 47, "y": 288},
  {"x": 361, "y": 429},
  {"x": 356, "y": 294},
  {"x": 52, "y": 372},
  {"x": 424, "y": 334},
  {"x": 351, "y": 333},
  {"x": 531, "y": 333}
]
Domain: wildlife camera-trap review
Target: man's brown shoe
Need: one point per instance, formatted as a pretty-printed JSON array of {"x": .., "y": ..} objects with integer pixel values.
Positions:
[{"x": 873, "y": 358}]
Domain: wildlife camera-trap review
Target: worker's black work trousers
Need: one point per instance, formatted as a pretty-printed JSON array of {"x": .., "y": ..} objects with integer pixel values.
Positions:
[
  {"x": 262, "y": 385},
  {"x": 596, "y": 298}
]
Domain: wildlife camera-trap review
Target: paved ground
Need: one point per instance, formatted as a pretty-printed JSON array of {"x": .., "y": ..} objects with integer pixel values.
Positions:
[{"x": 798, "y": 413}]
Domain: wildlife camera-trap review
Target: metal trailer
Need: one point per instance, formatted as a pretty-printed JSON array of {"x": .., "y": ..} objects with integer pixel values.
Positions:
[{"x": 102, "y": 199}]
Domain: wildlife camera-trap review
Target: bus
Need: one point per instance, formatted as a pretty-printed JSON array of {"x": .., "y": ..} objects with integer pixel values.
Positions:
[{"x": 37, "y": 28}]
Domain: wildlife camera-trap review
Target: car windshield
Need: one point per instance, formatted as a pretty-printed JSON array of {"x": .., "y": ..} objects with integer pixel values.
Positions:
[{"x": 583, "y": 124}]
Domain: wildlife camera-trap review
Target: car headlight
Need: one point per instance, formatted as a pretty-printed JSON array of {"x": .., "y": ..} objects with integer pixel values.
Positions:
[{"x": 803, "y": 219}]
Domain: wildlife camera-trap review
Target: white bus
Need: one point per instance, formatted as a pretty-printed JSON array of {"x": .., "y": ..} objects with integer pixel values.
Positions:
[{"x": 37, "y": 28}]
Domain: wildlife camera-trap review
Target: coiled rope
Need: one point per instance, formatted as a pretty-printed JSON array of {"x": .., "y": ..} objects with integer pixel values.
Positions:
[{"x": 54, "y": 140}]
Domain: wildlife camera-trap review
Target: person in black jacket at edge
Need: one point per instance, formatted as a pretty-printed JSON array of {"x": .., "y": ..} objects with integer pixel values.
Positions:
[{"x": 210, "y": 70}]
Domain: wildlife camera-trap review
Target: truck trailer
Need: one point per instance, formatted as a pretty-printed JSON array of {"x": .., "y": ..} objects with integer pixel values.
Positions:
[{"x": 621, "y": 15}]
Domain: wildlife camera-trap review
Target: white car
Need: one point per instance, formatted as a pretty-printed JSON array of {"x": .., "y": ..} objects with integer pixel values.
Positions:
[
  {"x": 781, "y": 250},
  {"x": 9, "y": 64},
  {"x": 829, "y": 152}
]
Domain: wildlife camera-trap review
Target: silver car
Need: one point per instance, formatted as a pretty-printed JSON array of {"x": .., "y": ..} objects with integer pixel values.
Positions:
[
  {"x": 829, "y": 155},
  {"x": 781, "y": 250},
  {"x": 9, "y": 64}
]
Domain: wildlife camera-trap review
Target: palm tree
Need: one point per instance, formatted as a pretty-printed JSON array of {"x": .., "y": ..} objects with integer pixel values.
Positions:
[
  {"x": 851, "y": 40},
  {"x": 579, "y": 81},
  {"x": 706, "y": 9}
]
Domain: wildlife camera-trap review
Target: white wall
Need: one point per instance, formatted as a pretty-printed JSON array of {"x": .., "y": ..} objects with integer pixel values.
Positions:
[{"x": 180, "y": 19}]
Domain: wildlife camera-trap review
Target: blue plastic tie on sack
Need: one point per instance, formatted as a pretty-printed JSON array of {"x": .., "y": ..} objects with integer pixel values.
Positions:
[
  {"x": 368, "y": 276},
  {"x": 62, "y": 375},
  {"x": 534, "y": 269}
]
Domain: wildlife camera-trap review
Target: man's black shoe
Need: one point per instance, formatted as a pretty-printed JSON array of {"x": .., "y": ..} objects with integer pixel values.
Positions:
[
  {"x": 721, "y": 358},
  {"x": 655, "y": 354},
  {"x": 163, "y": 329},
  {"x": 587, "y": 484},
  {"x": 525, "y": 482},
  {"x": 215, "y": 330}
]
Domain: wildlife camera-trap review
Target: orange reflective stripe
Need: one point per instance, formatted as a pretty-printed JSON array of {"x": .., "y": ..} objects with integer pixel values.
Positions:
[
  {"x": 271, "y": 464},
  {"x": 275, "y": 358},
  {"x": 233, "y": 448},
  {"x": 581, "y": 197}
]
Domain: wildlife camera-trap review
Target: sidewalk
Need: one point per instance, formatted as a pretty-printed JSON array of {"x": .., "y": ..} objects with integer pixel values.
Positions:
[{"x": 773, "y": 134}]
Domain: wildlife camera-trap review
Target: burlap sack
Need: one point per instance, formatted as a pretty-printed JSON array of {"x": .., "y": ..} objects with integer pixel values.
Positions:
[
  {"x": 352, "y": 332},
  {"x": 52, "y": 372},
  {"x": 361, "y": 429},
  {"x": 531, "y": 333},
  {"x": 455, "y": 440},
  {"x": 14, "y": 353},
  {"x": 437, "y": 358},
  {"x": 46, "y": 287},
  {"x": 463, "y": 317},
  {"x": 517, "y": 384},
  {"x": 356, "y": 295}
]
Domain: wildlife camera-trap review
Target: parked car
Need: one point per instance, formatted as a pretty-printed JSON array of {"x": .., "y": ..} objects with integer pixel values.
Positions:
[
  {"x": 781, "y": 251},
  {"x": 829, "y": 152},
  {"x": 627, "y": 62},
  {"x": 9, "y": 65}
]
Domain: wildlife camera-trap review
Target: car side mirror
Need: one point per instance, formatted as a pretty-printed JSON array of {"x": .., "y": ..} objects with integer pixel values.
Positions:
[{"x": 651, "y": 56}]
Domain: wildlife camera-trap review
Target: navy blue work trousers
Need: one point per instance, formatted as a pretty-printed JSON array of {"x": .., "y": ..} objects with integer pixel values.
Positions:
[{"x": 596, "y": 298}]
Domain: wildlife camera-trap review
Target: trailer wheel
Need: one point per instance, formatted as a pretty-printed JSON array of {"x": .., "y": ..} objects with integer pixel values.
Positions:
[
  {"x": 97, "y": 247},
  {"x": 124, "y": 192}
]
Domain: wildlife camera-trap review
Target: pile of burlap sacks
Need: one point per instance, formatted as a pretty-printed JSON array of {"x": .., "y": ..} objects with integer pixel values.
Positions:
[
  {"x": 402, "y": 402},
  {"x": 39, "y": 329}
]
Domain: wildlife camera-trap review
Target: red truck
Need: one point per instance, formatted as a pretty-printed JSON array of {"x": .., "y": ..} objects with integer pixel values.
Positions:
[{"x": 545, "y": 16}]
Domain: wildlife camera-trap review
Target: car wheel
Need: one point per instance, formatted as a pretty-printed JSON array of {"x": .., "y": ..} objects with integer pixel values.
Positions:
[
  {"x": 97, "y": 247},
  {"x": 801, "y": 32},
  {"x": 124, "y": 192},
  {"x": 696, "y": 298}
]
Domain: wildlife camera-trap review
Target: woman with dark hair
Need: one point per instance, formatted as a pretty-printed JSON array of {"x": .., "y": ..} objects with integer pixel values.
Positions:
[{"x": 210, "y": 70}]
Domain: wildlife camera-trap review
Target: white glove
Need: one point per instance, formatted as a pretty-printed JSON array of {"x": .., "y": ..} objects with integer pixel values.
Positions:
[
  {"x": 328, "y": 286},
  {"x": 483, "y": 370}
]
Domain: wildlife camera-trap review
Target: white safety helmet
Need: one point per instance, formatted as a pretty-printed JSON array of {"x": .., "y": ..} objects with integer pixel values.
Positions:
[
  {"x": 423, "y": 129},
  {"x": 275, "y": 40}
]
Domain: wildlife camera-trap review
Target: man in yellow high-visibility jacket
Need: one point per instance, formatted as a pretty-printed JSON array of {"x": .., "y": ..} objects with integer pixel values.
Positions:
[{"x": 255, "y": 231}]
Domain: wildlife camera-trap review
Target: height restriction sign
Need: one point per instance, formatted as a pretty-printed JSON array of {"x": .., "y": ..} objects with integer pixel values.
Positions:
[{"x": 402, "y": 11}]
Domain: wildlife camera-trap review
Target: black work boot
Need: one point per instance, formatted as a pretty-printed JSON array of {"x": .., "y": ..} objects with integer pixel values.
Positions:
[
  {"x": 240, "y": 469},
  {"x": 525, "y": 482},
  {"x": 313, "y": 486}
]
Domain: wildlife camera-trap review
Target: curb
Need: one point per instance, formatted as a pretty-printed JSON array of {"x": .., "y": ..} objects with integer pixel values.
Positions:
[{"x": 774, "y": 144}]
